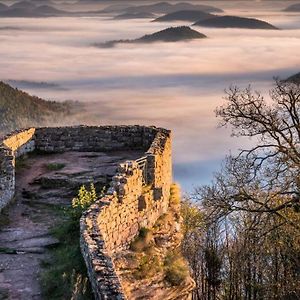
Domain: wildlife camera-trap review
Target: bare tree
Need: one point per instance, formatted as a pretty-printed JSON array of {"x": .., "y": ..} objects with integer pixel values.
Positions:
[{"x": 265, "y": 178}]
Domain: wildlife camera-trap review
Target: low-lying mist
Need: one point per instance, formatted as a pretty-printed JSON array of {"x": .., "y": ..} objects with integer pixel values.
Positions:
[{"x": 174, "y": 85}]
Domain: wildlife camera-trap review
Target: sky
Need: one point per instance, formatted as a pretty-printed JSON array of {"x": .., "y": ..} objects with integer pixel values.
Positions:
[{"x": 173, "y": 85}]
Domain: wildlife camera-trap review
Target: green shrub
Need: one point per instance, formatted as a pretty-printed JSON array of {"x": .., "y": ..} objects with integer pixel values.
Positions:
[
  {"x": 176, "y": 269},
  {"x": 55, "y": 166},
  {"x": 21, "y": 163},
  {"x": 83, "y": 200},
  {"x": 149, "y": 266}
]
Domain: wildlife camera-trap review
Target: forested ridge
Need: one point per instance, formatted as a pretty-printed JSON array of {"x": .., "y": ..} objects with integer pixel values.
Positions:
[
  {"x": 294, "y": 78},
  {"x": 19, "y": 109},
  {"x": 242, "y": 232}
]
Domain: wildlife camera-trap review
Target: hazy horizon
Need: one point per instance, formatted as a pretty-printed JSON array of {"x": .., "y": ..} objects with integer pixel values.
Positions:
[{"x": 173, "y": 85}]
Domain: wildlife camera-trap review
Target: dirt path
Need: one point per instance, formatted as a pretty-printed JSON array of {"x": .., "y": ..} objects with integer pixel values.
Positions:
[{"x": 44, "y": 183}]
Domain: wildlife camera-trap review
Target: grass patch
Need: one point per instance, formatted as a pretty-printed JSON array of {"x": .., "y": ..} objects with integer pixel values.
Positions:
[
  {"x": 65, "y": 274},
  {"x": 4, "y": 218},
  {"x": 176, "y": 268},
  {"x": 149, "y": 265},
  {"x": 21, "y": 163},
  {"x": 55, "y": 166}
]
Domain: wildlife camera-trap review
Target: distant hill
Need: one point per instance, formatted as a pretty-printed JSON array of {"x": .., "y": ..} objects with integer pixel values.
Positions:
[
  {"x": 161, "y": 8},
  {"x": 18, "y": 109},
  {"x": 293, "y": 8},
  {"x": 127, "y": 16},
  {"x": 3, "y": 6},
  {"x": 26, "y": 9},
  {"x": 189, "y": 6},
  {"x": 235, "y": 22},
  {"x": 10, "y": 28},
  {"x": 185, "y": 15},
  {"x": 113, "y": 8},
  {"x": 172, "y": 34},
  {"x": 91, "y": 1},
  {"x": 17, "y": 12},
  {"x": 165, "y": 7},
  {"x": 29, "y": 9},
  {"x": 45, "y": 2},
  {"x": 27, "y": 84},
  {"x": 294, "y": 78},
  {"x": 48, "y": 10},
  {"x": 23, "y": 4}
]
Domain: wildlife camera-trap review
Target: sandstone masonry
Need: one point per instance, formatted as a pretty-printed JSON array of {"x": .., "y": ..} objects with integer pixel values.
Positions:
[{"x": 138, "y": 195}]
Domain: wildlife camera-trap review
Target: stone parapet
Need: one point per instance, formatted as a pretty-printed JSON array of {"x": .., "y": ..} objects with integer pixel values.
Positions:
[
  {"x": 138, "y": 195},
  {"x": 131, "y": 203}
]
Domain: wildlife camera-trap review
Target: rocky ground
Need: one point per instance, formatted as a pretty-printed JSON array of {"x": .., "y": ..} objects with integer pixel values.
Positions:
[{"x": 45, "y": 183}]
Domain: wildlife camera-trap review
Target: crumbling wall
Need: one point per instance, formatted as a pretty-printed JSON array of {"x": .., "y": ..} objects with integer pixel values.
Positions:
[
  {"x": 63, "y": 139},
  {"x": 138, "y": 196},
  {"x": 7, "y": 176},
  {"x": 93, "y": 138},
  {"x": 132, "y": 202},
  {"x": 11, "y": 147},
  {"x": 20, "y": 142}
]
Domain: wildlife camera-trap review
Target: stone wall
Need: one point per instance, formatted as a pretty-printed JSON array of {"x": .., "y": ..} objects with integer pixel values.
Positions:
[
  {"x": 7, "y": 176},
  {"x": 62, "y": 139},
  {"x": 138, "y": 196},
  {"x": 93, "y": 138},
  {"x": 20, "y": 142},
  {"x": 11, "y": 147},
  {"x": 131, "y": 203}
]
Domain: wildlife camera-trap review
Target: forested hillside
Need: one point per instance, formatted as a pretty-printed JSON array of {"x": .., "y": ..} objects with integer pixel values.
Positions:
[
  {"x": 18, "y": 109},
  {"x": 294, "y": 78}
]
